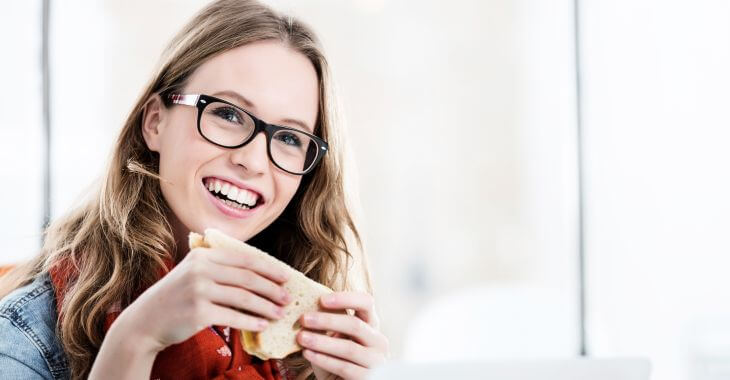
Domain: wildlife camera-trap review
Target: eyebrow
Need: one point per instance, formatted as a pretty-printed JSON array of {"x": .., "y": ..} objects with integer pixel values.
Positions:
[{"x": 250, "y": 105}]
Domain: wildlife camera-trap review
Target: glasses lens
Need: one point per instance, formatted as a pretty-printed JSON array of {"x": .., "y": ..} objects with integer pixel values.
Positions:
[
  {"x": 225, "y": 125},
  {"x": 293, "y": 151}
]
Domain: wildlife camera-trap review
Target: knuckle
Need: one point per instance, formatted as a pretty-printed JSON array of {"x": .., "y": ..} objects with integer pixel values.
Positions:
[
  {"x": 197, "y": 310},
  {"x": 246, "y": 261},
  {"x": 199, "y": 288},
  {"x": 197, "y": 268}
]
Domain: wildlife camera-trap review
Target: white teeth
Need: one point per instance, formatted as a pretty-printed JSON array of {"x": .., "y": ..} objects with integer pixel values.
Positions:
[
  {"x": 234, "y": 204},
  {"x": 242, "y": 196},
  {"x": 249, "y": 199},
  {"x": 232, "y": 193}
]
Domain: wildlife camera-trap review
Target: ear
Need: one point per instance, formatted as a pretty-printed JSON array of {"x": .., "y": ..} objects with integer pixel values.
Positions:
[{"x": 153, "y": 116}]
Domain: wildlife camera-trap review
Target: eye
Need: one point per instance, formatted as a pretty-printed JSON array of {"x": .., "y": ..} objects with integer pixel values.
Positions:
[
  {"x": 228, "y": 114},
  {"x": 289, "y": 138}
]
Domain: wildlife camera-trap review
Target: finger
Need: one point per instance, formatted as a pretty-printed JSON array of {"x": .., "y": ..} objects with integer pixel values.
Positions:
[
  {"x": 225, "y": 316},
  {"x": 244, "y": 300},
  {"x": 249, "y": 280},
  {"x": 340, "y": 348},
  {"x": 334, "y": 365},
  {"x": 345, "y": 324},
  {"x": 362, "y": 303},
  {"x": 248, "y": 261}
]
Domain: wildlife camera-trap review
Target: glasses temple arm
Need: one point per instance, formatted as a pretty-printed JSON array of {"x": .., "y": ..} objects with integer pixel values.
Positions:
[{"x": 188, "y": 100}]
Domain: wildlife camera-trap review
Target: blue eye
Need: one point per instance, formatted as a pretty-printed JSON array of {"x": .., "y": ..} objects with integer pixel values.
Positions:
[
  {"x": 289, "y": 139},
  {"x": 228, "y": 114}
]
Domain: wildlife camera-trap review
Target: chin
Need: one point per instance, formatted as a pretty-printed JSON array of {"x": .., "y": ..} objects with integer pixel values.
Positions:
[{"x": 240, "y": 232}]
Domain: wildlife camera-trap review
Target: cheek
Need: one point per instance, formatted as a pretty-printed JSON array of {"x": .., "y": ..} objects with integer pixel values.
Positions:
[
  {"x": 181, "y": 153},
  {"x": 286, "y": 187}
]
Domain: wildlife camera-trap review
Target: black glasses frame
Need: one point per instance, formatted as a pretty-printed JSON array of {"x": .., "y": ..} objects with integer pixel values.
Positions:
[{"x": 200, "y": 101}]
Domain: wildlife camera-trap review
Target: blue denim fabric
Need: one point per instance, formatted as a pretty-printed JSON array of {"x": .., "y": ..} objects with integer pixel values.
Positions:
[{"x": 29, "y": 347}]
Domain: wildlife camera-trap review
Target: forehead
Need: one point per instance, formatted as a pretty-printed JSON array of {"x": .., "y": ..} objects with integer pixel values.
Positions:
[{"x": 280, "y": 83}]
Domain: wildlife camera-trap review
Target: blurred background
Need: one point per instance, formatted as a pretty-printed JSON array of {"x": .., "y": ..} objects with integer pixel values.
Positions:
[{"x": 537, "y": 179}]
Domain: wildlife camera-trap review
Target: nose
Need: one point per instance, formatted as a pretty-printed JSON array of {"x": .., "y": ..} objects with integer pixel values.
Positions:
[{"x": 252, "y": 156}]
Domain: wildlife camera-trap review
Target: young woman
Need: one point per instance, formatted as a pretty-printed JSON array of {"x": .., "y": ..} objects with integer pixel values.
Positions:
[{"x": 236, "y": 132}]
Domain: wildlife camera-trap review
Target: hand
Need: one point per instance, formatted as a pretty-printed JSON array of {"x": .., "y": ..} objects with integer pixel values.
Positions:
[
  {"x": 356, "y": 345},
  {"x": 208, "y": 287}
]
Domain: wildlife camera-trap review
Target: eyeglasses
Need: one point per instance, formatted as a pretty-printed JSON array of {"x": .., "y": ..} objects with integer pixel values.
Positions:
[{"x": 229, "y": 126}]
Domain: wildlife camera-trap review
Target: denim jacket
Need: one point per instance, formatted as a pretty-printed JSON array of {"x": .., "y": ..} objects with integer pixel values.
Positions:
[{"x": 29, "y": 347}]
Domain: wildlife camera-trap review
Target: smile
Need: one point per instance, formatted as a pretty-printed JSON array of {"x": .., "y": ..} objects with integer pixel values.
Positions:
[{"x": 230, "y": 199}]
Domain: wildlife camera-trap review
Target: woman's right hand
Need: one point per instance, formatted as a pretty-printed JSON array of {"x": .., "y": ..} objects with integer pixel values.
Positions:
[{"x": 208, "y": 287}]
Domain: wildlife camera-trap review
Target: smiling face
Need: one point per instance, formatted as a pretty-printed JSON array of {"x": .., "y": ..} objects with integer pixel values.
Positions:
[{"x": 273, "y": 82}]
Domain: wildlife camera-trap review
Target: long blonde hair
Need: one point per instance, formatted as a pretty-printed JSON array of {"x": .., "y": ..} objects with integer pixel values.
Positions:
[{"x": 119, "y": 239}]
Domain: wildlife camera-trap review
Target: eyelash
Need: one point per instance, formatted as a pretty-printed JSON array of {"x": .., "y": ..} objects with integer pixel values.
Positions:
[
  {"x": 228, "y": 111},
  {"x": 298, "y": 141}
]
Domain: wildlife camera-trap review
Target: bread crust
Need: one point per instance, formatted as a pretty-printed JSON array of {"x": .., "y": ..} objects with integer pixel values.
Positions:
[{"x": 278, "y": 340}]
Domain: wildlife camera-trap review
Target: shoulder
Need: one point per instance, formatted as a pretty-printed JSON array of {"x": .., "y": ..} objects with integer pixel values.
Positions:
[{"x": 28, "y": 341}]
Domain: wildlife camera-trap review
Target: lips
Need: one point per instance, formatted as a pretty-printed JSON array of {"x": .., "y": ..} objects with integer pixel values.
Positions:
[{"x": 234, "y": 200}]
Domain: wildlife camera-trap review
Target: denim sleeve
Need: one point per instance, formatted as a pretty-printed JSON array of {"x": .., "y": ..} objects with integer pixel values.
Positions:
[
  {"x": 19, "y": 357},
  {"x": 13, "y": 369}
]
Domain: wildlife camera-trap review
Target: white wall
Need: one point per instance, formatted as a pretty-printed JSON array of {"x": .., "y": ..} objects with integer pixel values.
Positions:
[
  {"x": 21, "y": 126},
  {"x": 656, "y": 133}
]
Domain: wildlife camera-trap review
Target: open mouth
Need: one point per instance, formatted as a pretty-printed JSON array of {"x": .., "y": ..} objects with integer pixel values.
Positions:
[{"x": 231, "y": 195}]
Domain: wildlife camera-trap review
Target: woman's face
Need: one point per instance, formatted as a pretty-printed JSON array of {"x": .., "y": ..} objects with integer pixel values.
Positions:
[{"x": 274, "y": 83}]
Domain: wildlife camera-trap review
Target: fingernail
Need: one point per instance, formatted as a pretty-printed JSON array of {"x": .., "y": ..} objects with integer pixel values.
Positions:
[
  {"x": 279, "y": 312},
  {"x": 328, "y": 299},
  {"x": 285, "y": 297},
  {"x": 309, "y": 318}
]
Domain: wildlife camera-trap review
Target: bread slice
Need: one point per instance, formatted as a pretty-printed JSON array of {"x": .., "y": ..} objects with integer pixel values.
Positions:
[{"x": 278, "y": 340}]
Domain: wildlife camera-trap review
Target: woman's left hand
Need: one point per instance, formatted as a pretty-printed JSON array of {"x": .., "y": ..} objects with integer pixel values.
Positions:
[{"x": 356, "y": 345}]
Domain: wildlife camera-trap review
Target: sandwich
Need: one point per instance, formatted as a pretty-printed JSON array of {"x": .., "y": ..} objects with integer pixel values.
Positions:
[{"x": 278, "y": 340}]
